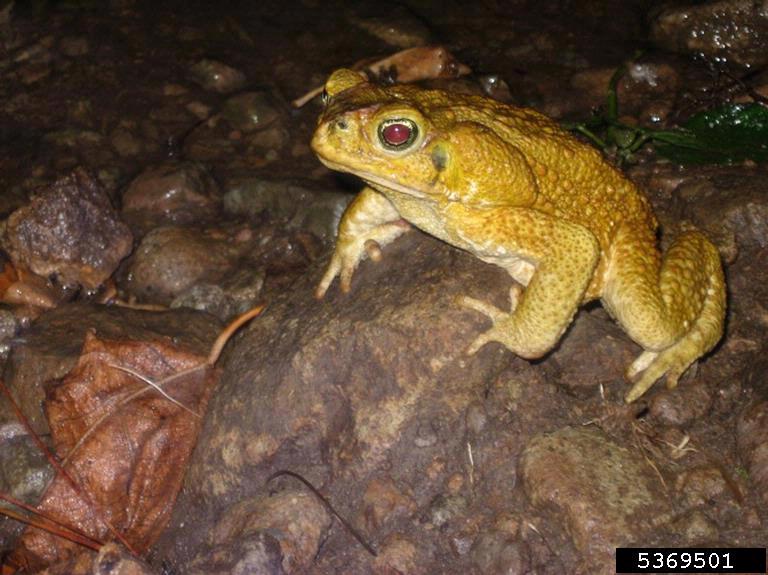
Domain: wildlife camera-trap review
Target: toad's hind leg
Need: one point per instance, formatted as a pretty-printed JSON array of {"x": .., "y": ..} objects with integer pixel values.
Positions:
[{"x": 674, "y": 308}]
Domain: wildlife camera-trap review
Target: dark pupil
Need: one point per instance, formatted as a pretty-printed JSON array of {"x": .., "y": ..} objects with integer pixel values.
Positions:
[{"x": 396, "y": 134}]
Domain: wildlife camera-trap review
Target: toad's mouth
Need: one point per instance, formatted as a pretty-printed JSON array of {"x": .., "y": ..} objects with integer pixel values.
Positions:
[{"x": 374, "y": 180}]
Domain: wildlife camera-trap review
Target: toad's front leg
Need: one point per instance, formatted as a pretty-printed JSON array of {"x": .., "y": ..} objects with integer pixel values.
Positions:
[
  {"x": 564, "y": 255},
  {"x": 369, "y": 223}
]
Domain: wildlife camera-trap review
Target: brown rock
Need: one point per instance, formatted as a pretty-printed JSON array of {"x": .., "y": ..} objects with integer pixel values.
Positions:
[
  {"x": 496, "y": 552},
  {"x": 399, "y": 556},
  {"x": 296, "y": 521},
  {"x": 681, "y": 406},
  {"x": 699, "y": 486},
  {"x": 608, "y": 495},
  {"x": 726, "y": 30},
  {"x": 252, "y": 111},
  {"x": 643, "y": 84},
  {"x": 170, "y": 259},
  {"x": 171, "y": 193},
  {"x": 69, "y": 230},
  {"x": 383, "y": 500},
  {"x": 753, "y": 445},
  {"x": 342, "y": 384}
]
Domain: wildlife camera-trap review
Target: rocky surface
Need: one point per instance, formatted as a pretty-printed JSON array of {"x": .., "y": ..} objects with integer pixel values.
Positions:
[{"x": 440, "y": 462}]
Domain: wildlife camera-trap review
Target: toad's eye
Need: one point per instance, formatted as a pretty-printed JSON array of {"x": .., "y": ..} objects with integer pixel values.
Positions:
[
  {"x": 324, "y": 97},
  {"x": 398, "y": 134}
]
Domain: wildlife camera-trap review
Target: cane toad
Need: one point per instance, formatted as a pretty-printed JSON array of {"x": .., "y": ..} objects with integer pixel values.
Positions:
[{"x": 514, "y": 189}]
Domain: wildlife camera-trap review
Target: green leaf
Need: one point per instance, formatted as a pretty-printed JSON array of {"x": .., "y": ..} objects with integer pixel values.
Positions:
[{"x": 724, "y": 135}]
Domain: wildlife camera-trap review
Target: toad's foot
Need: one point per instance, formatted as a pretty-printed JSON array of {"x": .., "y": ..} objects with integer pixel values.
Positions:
[
  {"x": 348, "y": 255},
  {"x": 505, "y": 329},
  {"x": 673, "y": 362}
]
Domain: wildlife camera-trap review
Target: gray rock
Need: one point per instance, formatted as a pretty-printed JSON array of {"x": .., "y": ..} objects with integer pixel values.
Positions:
[
  {"x": 300, "y": 203},
  {"x": 236, "y": 294},
  {"x": 24, "y": 474}
]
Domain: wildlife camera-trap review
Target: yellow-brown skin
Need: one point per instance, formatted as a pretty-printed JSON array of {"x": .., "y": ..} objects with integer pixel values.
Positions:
[{"x": 511, "y": 187}]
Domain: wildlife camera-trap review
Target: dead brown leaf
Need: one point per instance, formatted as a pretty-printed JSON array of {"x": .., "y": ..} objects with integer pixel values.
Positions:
[
  {"x": 411, "y": 65},
  {"x": 131, "y": 462}
]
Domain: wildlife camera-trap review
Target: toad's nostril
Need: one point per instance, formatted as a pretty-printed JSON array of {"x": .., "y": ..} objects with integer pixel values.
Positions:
[{"x": 342, "y": 124}]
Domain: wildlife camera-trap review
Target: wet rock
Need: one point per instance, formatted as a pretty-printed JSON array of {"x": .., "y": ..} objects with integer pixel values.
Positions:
[
  {"x": 681, "y": 406},
  {"x": 496, "y": 552},
  {"x": 170, "y": 260},
  {"x": 251, "y": 111},
  {"x": 9, "y": 325},
  {"x": 70, "y": 231},
  {"x": 495, "y": 87},
  {"x": 753, "y": 446},
  {"x": 608, "y": 495},
  {"x": 300, "y": 203},
  {"x": 722, "y": 30},
  {"x": 217, "y": 76},
  {"x": 235, "y": 294},
  {"x": 52, "y": 345},
  {"x": 171, "y": 193},
  {"x": 297, "y": 522}
]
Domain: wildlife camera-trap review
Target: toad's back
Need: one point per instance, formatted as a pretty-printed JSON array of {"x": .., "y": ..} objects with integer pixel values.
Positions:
[{"x": 574, "y": 181}]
